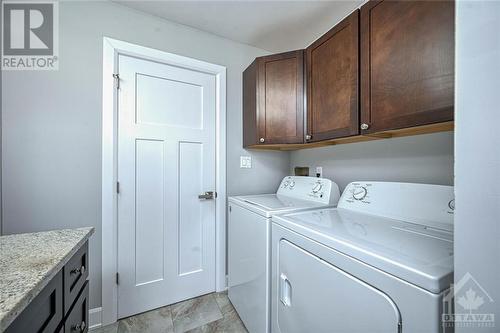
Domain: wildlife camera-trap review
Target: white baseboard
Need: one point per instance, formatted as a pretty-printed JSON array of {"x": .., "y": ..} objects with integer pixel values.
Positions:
[{"x": 95, "y": 318}]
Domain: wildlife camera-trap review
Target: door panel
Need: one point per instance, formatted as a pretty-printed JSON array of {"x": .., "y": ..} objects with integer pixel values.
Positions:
[
  {"x": 190, "y": 220},
  {"x": 176, "y": 96},
  {"x": 149, "y": 211},
  {"x": 166, "y": 158},
  {"x": 332, "y": 82},
  {"x": 407, "y": 59},
  {"x": 315, "y": 296}
]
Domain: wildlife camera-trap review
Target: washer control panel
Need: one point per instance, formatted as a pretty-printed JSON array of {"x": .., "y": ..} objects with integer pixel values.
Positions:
[
  {"x": 431, "y": 205},
  {"x": 321, "y": 190}
]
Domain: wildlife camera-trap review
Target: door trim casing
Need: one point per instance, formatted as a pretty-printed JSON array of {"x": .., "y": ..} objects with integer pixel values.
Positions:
[{"x": 112, "y": 48}]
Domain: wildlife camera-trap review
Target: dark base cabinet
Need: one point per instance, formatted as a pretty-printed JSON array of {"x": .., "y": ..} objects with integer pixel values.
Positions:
[
  {"x": 45, "y": 313},
  {"x": 62, "y": 306}
]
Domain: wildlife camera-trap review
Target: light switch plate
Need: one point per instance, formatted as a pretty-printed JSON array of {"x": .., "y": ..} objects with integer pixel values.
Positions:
[{"x": 245, "y": 162}]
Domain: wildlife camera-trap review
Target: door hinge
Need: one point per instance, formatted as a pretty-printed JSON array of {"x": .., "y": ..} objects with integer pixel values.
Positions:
[
  {"x": 117, "y": 278},
  {"x": 116, "y": 76},
  {"x": 118, "y": 187},
  {"x": 230, "y": 209}
]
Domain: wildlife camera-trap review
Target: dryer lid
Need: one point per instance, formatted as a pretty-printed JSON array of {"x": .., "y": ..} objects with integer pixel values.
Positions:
[{"x": 416, "y": 253}]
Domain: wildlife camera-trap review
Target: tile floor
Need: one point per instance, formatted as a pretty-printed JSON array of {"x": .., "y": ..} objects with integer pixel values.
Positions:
[{"x": 205, "y": 314}]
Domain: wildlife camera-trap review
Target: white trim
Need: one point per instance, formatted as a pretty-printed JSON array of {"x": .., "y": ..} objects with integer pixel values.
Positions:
[
  {"x": 95, "y": 318},
  {"x": 111, "y": 49}
]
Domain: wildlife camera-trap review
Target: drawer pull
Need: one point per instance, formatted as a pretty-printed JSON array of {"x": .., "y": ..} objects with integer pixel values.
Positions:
[
  {"x": 79, "y": 327},
  {"x": 80, "y": 270}
]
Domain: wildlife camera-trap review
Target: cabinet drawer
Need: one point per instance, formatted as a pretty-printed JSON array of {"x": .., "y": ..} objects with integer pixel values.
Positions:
[
  {"x": 75, "y": 275},
  {"x": 77, "y": 320},
  {"x": 45, "y": 312}
]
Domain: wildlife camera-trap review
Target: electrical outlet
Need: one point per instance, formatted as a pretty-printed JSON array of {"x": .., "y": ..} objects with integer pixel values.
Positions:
[
  {"x": 245, "y": 162},
  {"x": 319, "y": 172}
]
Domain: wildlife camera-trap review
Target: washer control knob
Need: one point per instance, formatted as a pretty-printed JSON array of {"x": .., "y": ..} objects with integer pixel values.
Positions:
[
  {"x": 359, "y": 193},
  {"x": 317, "y": 187},
  {"x": 292, "y": 184},
  {"x": 285, "y": 184}
]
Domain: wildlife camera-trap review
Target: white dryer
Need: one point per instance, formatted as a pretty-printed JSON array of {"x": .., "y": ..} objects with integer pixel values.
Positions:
[
  {"x": 380, "y": 262},
  {"x": 249, "y": 241}
]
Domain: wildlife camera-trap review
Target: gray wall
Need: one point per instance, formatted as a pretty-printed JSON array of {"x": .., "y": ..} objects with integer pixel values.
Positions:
[
  {"x": 419, "y": 159},
  {"x": 52, "y": 122},
  {"x": 477, "y": 153}
]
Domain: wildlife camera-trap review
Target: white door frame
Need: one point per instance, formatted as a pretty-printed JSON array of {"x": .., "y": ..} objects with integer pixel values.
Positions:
[{"x": 112, "y": 48}]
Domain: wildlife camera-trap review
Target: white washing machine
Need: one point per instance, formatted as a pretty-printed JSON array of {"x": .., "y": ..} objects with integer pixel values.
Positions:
[
  {"x": 249, "y": 237},
  {"x": 380, "y": 262}
]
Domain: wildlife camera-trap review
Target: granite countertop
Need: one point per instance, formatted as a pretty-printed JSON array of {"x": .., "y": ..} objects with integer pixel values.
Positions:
[{"x": 28, "y": 262}]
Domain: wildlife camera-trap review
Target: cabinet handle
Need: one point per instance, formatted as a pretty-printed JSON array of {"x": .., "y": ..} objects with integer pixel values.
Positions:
[
  {"x": 79, "y": 327},
  {"x": 308, "y": 137},
  {"x": 365, "y": 126},
  {"x": 262, "y": 140},
  {"x": 78, "y": 270}
]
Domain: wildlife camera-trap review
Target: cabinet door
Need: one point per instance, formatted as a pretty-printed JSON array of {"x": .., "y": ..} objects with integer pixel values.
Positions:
[
  {"x": 280, "y": 91},
  {"x": 407, "y": 64},
  {"x": 332, "y": 82}
]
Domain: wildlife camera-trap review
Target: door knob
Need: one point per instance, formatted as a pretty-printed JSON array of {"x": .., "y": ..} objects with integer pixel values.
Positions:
[
  {"x": 364, "y": 126},
  {"x": 208, "y": 195}
]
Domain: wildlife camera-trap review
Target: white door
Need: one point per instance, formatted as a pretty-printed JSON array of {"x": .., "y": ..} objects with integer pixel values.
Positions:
[{"x": 166, "y": 159}]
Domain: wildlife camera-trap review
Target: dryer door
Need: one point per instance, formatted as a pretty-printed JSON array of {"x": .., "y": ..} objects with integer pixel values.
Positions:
[{"x": 315, "y": 296}]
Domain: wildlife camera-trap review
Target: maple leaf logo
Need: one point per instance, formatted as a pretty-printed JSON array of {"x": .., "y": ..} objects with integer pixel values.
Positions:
[{"x": 470, "y": 301}]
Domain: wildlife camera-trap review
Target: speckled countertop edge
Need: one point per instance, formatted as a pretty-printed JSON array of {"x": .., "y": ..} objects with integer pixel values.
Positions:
[{"x": 12, "y": 303}]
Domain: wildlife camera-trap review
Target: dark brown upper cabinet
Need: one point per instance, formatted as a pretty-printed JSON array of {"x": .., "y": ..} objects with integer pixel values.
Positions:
[
  {"x": 407, "y": 64},
  {"x": 273, "y": 100},
  {"x": 332, "y": 82}
]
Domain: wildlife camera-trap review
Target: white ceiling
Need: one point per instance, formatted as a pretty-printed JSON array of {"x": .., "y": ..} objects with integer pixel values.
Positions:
[{"x": 275, "y": 26}]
